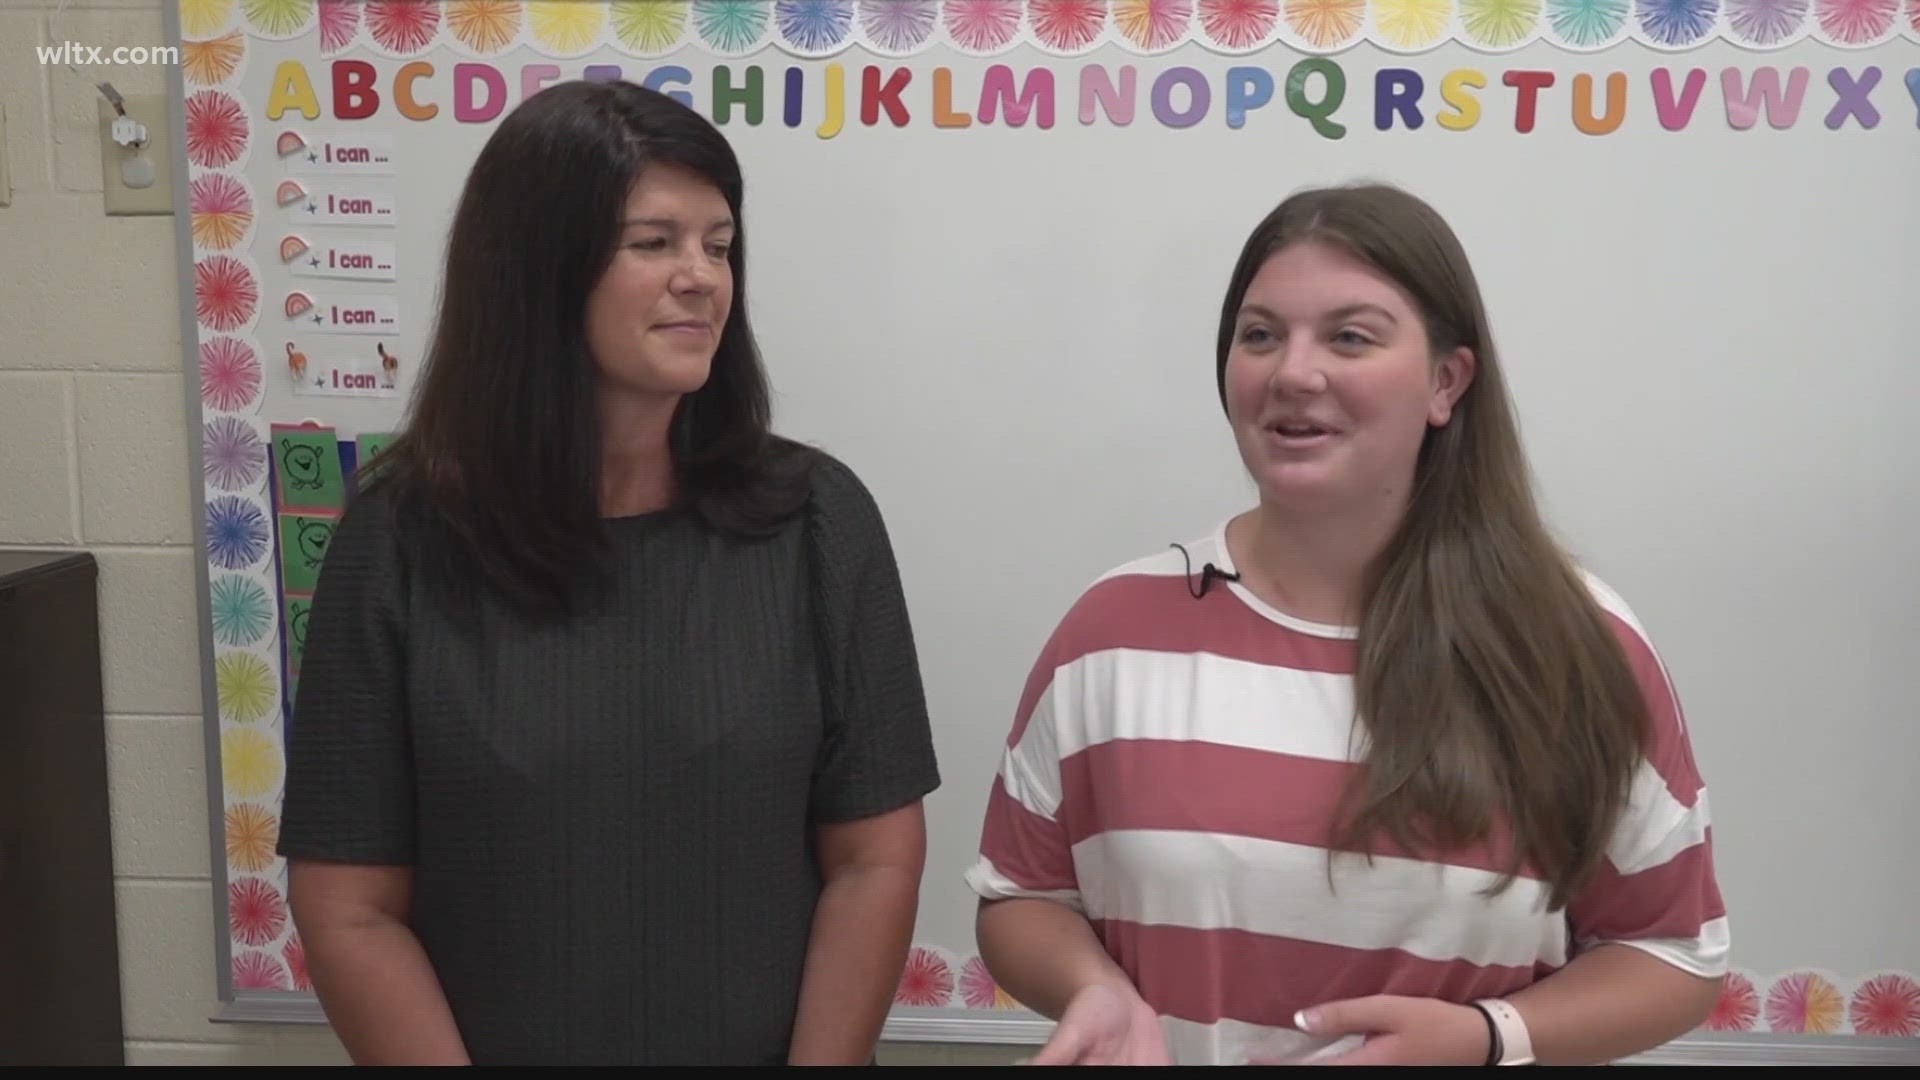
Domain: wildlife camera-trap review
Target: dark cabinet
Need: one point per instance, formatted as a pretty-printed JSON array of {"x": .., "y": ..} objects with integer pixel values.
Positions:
[{"x": 59, "y": 949}]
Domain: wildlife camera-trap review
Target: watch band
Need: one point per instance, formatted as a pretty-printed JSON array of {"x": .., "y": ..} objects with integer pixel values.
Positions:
[
  {"x": 1513, "y": 1045},
  {"x": 1493, "y": 1033}
]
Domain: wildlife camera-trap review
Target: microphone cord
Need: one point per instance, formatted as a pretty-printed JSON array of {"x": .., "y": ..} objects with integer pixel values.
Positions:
[{"x": 1207, "y": 573}]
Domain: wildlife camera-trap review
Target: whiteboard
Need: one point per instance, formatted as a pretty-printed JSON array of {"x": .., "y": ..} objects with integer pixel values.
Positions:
[{"x": 997, "y": 305}]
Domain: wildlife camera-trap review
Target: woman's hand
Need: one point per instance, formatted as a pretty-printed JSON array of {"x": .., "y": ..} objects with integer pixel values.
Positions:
[
  {"x": 1402, "y": 1031},
  {"x": 1105, "y": 1025}
]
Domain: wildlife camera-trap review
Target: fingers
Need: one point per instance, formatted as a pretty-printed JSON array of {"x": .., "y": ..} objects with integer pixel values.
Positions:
[
  {"x": 1350, "y": 1017},
  {"x": 1075, "y": 1044},
  {"x": 1065, "y": 1048}
]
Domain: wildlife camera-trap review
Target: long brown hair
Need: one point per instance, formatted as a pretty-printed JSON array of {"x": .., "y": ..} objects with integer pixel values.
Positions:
[{"x": 1493, "y": 692}]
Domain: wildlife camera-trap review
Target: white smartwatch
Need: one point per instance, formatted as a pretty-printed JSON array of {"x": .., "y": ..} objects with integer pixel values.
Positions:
[{"x": 1511, "y": 1044}]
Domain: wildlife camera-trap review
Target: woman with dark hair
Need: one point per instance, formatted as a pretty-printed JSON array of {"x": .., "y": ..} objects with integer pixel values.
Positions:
[
  {"x": 1372, "y": 773},
  {"x": 610, "y": 738}
]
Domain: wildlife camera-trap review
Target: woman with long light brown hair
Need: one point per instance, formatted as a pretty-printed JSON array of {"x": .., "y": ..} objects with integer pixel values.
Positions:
[{"x": 1374, "y": 773}]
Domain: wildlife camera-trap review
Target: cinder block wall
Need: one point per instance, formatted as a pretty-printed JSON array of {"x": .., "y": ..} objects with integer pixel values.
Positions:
[{"x": 93, "y": 437}]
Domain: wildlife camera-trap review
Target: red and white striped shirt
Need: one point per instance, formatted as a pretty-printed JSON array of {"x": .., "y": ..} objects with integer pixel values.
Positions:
[{"x": 1172, "y": 773}]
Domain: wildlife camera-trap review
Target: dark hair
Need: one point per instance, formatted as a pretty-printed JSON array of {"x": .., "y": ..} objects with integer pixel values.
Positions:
[
  {"x": 501, "y": 455},
  {"x": 1490, "y": 681}
]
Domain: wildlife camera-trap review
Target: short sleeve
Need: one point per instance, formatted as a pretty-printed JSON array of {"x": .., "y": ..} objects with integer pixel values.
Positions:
[
  {"x": 1025, "y": 851},
  {"x": 1657, "y": 890},
  {"x": 877, "y": 752},
  {"x": 349, "y": 782}
]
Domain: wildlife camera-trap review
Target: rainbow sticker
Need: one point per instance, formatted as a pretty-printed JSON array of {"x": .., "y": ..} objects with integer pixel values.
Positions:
[
  {"x": 292, "y": 248},
  {"x": 289, "y": 192},
  {"x": 289, "y": 142},
  {"x": 298, "y": 304}
]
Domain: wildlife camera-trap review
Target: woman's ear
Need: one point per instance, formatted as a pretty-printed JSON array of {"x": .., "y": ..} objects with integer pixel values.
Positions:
[{"x": 1452, "y": 374}]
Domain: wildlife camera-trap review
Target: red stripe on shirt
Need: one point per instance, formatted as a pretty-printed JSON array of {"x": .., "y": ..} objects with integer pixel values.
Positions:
[
  {"x": 1204, "y": 976},
  {"x": 1154, "y": 613},
  {"x": 1029, "y": 850},
  {"x": 1672, "y": 900},
  {"x": 1668, "y": 749},
  {"x": 1207, "y": 787}
]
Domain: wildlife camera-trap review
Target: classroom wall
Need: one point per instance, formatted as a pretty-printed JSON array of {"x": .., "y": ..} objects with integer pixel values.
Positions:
[
  {"x": 93, "y": 433},
  {"x": 93, "y": 439}
]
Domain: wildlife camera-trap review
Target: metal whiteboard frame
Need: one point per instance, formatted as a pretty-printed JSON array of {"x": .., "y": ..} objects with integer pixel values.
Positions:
[{"x": 170, "y": 33}]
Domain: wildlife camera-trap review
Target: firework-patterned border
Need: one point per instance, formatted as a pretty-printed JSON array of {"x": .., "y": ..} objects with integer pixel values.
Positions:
[
  {"x": 1883, "y": 1004},
  {"x": 899, "y": 28},
  {"x": 266, "y": 954}
]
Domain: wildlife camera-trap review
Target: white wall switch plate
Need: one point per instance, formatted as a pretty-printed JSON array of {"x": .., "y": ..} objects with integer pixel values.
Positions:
[{"x": 116, "y": 162}]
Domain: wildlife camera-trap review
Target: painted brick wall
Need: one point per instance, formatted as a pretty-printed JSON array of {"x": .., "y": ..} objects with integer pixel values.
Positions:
[{"x": 93, "y": 439}]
